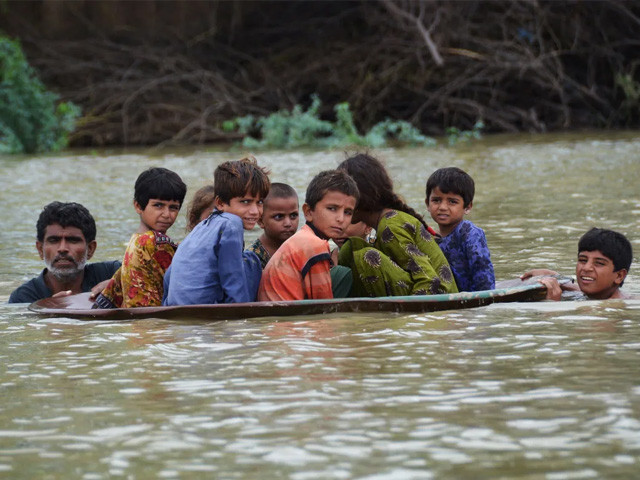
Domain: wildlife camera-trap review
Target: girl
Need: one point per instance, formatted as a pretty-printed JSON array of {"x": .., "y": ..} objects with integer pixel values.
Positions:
[
  {"x": 200, "y": 207},
  {"x": 405, "y": 258}
]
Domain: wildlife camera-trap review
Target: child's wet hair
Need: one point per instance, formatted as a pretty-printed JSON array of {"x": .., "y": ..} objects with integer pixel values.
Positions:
[
  {"x": 160, "y": 183},
  {"x": 330, "y": 180},
  {"x": 613, "y": 245},
  {"x": 452, "y": 180},
  {"x": 375, "y": 185},
  {"x": 238, "y": 177},
  {"x": 202, "y": 200}
]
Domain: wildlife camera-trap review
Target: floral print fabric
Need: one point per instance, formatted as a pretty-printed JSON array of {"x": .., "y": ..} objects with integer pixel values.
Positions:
[
  {"x": 139, "y": 281},
  {"x": 468, "y": 254},
  {"x": 404, "y": 260}
]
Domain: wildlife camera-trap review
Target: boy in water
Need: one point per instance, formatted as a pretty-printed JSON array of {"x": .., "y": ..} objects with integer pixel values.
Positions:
[
  {"x": 210, "y": 266},
  {"x": 604, "y": 260},
  {"x": 158, "y": 196},
  {"x": 449, "y": 198},
  {"x": 279, "y": 221},
  {"x": 301, "y": 268}
]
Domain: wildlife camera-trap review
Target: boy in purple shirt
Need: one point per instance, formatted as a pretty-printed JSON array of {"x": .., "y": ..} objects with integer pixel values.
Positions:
[
  {"x": 209, "y": 266},
  {"x": 449, "y": 198}
]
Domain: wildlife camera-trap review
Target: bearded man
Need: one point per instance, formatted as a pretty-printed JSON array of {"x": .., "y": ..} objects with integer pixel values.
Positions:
[{"x": 66, "y": 240}]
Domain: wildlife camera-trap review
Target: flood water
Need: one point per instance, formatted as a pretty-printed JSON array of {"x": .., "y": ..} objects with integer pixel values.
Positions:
[{"x": 531, "y": 390}]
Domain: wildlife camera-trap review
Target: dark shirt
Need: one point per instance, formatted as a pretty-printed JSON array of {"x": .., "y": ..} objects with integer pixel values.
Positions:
[{"x": 36, "y": 288}]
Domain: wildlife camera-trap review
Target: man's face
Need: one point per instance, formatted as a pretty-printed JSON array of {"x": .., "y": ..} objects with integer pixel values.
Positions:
[{"x": 65, "y": 251}]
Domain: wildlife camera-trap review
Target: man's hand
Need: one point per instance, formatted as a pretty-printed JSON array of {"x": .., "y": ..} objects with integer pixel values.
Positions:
[{"x": 97, "y": 290}]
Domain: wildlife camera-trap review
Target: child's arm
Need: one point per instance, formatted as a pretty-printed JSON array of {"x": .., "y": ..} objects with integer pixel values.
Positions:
[
  {"x": 231, "y": 268},
  {"x": 479, "y": 263}
]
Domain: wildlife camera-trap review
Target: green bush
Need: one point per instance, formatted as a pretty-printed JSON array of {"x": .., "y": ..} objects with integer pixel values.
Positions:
[
  {"x": 31, "y": 120},
  {"x": 299, "y": 128}
]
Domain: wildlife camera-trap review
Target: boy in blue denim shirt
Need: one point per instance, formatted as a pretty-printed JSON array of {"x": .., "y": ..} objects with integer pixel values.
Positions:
[{"x": 210, "y": 266}]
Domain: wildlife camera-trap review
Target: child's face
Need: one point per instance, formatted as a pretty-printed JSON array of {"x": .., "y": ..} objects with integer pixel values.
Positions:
[
  {"x": 158, "y": 215},
  {"x": 595, "y": 274},
  {"x": 248, "y": 208},
  {"x": 280, "y": 218},
  {"x": 331, "y": 215},
  {"x": 359, "y": 229},
  {"x": 446, "y": 209}
]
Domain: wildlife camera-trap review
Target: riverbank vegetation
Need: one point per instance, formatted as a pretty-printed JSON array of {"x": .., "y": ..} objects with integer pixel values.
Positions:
[
  {"x": 32, "y": 120},
  {"x": 171, "y": 72}
]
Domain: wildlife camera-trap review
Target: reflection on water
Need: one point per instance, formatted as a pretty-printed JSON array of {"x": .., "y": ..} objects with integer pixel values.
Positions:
[{"x": 546, "y": 390}]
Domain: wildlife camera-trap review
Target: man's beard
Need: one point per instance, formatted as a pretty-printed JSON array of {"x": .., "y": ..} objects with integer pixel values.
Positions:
[{"x": 67, "y": 274}]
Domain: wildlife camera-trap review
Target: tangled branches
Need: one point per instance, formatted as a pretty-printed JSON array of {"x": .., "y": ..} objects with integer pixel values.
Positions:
[{"x": 518, "y": 65}]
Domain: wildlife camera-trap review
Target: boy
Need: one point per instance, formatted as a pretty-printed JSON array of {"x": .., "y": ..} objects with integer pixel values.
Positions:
[
  {"x": 449, "y": 198},
  {"x": 279, "y": 221},
  {"x": 158, "y": 196},
  {"x": 210, "y": 267},
  {"x": 604, "y": 260},
  {"x": 301, "y": 268}
]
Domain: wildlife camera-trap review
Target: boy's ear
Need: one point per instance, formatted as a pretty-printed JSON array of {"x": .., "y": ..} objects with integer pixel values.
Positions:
[
  {"x": 219, "y": 204},
  {"x": 468, "y": 208},
  {"x": 620, "y": 276},
  {"x": 138, "y": 208},
  {"x": 307, "y": 212}
]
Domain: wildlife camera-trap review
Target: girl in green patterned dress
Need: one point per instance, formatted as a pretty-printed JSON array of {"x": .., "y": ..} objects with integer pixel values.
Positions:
[{"x": 405, "y": 258}]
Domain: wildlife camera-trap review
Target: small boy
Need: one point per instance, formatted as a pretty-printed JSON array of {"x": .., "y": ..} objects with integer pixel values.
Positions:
[
  {"x": 604, "y": 260},
  {"x": 301, "y": 268},
  {"x": 210, "y": 266},
  {"x": 449, "y": 198},
  {"x": 158, "y": 196},
  {"x": 279, "y": 220}
]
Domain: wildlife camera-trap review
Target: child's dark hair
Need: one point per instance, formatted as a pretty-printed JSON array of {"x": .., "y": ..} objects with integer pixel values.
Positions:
[
  {"x": 160, "y": 183},
  {"x": 330, "y": 180},
  {"x": 452, "y": 180},
  {"x": 612, "y": 244},
  {"x": 237, "y": 177},
  {"x": 66, "y": 215},
  {"x": 281, "y": 190},
  {"x": 375, "y": 185},
  {"x": 202, "y": 199}
]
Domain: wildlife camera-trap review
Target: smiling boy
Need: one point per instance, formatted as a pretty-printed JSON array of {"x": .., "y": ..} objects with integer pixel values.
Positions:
[
  {"x": 210, "y": 266},
  {"x": 158, "y": 196},
  {"x": 279, "y": 221},
  {"x": 449, "y": 197},
  {"x": 604, "y": 260},
  {"x": 301, "y": 267}
]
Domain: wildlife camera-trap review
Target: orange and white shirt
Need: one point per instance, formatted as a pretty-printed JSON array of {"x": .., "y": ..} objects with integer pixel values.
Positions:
[{"x": 298, "y": 270}]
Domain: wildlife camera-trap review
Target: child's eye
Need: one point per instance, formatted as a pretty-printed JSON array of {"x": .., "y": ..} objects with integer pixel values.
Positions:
[
  {"x": 260, "y": 202},
  {"x": 278, "y": 216},
  {"x": 348, "y": 213},
  {"x": 293, "y": 215}
]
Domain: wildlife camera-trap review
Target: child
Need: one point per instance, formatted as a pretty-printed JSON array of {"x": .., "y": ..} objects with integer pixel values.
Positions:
[
  {"x": 406, "y": 259},
  {"x": 279, "y": 221},
  {"x": 158, "y": 196},
  {"x": 359, "y": 229},
  {"x": 604, "y": 260},
  {"x": 200, "y": 207},
  {"x": 301, "y": 268},
  {"x": 449, "y": 198},
  {"x": 210, "y": 267}
]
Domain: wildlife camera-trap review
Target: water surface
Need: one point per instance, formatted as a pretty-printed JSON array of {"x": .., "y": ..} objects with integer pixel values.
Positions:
[{"x": 546, "y": 390}]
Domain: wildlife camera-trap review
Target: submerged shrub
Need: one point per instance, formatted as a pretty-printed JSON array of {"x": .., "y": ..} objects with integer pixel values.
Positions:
[
  {"x": 31, "y": 120},
  {"x": 304, "y": 128}
]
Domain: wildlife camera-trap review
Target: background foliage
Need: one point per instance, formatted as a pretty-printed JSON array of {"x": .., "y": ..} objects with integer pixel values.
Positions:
[
  {"x": 150, "y": 72},
  {"x": 31, "y": 119}
]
